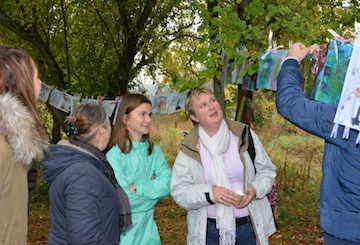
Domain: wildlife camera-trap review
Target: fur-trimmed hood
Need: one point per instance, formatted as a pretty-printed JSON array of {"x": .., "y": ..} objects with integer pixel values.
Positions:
[{"x": 18, "y": 127}]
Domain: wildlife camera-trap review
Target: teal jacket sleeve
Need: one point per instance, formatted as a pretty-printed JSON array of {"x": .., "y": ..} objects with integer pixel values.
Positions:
[
  {"x": 159, "y": 186},
  {"x": 148, "y": 190}
]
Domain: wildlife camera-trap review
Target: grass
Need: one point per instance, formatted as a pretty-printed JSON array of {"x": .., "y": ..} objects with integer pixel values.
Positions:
[{"x": 296, "y": 154}]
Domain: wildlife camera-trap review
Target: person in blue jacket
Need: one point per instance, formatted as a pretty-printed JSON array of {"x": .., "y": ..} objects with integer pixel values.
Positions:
[
  {"x": 87, "y": 205},
  {"x": 140, "y": 168},
  {"x": 339, "y": 203}
]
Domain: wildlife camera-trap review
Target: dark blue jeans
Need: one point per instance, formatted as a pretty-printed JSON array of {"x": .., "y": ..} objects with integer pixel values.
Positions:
[
  {"x": 244, "y": 234},
  {"x": 330, "y": 240}
]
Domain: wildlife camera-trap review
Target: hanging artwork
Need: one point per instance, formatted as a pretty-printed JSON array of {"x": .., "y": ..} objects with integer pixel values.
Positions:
[
  {"x": 310, "y": 68},
  {"x": 176, "y": 102},
  {"x": 348, "y": 111},
  {"x": 329, "y": 82},
  {"x": 45, "y": 92},
  {"x": 247, "y": 81},
  {"x": 60, "y": 100},
  {"x": 247, "y": 115},
  {"x": 160, "y": 104},
  {"x": 269, "y": 68}
]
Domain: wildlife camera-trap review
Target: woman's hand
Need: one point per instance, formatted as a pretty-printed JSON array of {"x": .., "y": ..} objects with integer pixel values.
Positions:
[
  {"x": 132, "y": 188},
  {"x": 225, "y": 196},
  {"x": 249, "y": 194}
]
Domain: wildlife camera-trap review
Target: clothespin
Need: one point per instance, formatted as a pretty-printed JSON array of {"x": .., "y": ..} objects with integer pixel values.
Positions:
[
  {"x": 276, "y": 47},
  {"x": 63, "y": 92},
  {"x": 244, "y": 48},
  {"x": 270, "y": 45},
  {"x": 339, "y": 38}
]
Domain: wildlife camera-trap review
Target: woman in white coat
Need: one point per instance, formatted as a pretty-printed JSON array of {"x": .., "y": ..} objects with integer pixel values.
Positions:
[{"x": 215, "y": 179}]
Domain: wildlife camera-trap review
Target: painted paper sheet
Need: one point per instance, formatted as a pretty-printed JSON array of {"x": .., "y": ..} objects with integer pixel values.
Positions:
[
  {"x": 176, "y": 102},
  {"x": 109, "y": 106},
  {"x": 269, "y": 68},
  {"x": 348, "y": 111},
  {"x": 329, "y": 82},
  {"x": 60, "y": 100},
  {"x": 74, "y": 103},
  {"x": 87, "y": 100},
  {"x": 160, "y": 105},
  {"x": 247, "y": 81},
  {"x": 307, "y": 69},
  {"x": 315, "y": 66},
  {"x": 45, "y": 92}
]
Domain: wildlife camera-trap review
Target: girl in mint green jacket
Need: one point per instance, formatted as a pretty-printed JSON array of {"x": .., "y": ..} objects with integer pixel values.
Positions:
[{"x": 140, "y": 168}]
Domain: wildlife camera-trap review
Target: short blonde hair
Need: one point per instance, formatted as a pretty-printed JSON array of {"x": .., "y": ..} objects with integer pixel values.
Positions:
[{"x": 193, "y": 94}]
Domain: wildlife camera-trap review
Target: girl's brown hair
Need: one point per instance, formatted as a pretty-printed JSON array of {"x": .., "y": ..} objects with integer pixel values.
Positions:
[
  {"x": 121, "y": 134},
  {"x": 17, "y": 71}
]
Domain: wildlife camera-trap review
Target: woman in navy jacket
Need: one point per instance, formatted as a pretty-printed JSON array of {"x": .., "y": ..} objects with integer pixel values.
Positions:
[
  {"x": 87, "y": 205},
  {"x": 340, "y": 187}
]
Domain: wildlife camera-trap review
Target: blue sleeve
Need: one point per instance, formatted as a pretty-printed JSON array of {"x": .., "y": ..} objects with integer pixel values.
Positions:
[
  {"x": 83, "y": 199},
  {"x": 312, "y": 116}
]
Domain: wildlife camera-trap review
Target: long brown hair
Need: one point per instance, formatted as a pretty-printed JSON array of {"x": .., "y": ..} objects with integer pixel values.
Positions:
[
  {"x": 120, "y": 134},
  {"x": 17, "y": 71}
]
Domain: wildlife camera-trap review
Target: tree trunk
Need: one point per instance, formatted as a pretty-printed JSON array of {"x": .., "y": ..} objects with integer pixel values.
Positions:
[
  {"x": 243, "y": 96},
  {"x": 58, "y": 122},
  {"x": 219, "y": 92}
]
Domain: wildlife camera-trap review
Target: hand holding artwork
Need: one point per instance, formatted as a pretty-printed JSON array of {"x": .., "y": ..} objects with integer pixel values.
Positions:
[{"x": 300, "y": 51}]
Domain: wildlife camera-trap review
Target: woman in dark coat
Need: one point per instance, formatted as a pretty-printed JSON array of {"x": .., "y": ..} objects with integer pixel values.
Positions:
[{"x": 87, "y": 205}]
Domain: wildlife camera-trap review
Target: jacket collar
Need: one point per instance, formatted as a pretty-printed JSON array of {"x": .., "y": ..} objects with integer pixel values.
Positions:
[
  {"x": 189, "y": 144},
  {"x": 18, "y": 127}
]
